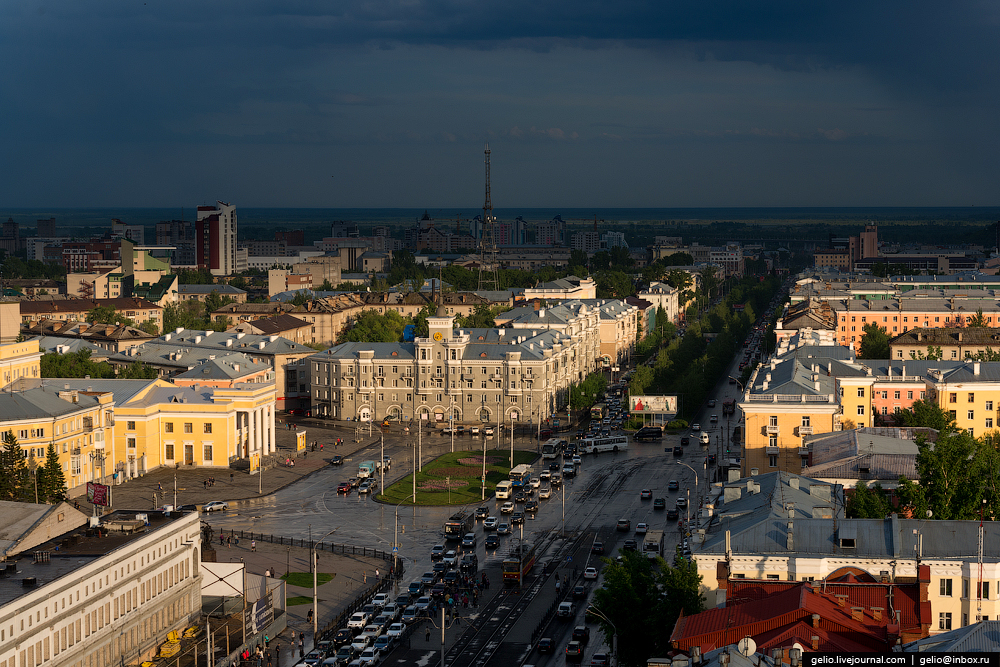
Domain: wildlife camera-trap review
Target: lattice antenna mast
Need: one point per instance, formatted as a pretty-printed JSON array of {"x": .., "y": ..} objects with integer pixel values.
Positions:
[{"x": 489, "y": 274}]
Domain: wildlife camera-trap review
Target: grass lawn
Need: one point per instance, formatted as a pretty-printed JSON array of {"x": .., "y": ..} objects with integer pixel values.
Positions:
[
  {"x": 305, "y": 579},
  {"x": 298, "y": 599},
  {"x": 464, "y": 470}
]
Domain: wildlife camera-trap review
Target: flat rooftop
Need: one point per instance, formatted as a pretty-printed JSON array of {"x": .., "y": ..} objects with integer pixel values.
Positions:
[{"x": 69, "y": 551}]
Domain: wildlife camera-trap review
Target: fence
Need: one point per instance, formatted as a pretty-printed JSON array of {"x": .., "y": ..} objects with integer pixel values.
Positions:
[{"x": 321, "y": 546}]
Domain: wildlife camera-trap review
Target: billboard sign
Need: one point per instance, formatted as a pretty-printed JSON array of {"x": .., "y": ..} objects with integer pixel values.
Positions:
[
  {"x": 97, "y": 494},
  {"x": 653, "y": 405},
  {"x": 259, "y": 615},
  {"x": 300, "y": 441}
]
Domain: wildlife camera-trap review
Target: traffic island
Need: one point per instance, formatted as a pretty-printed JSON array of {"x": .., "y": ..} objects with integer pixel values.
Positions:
[{"x": 454, "y": 478}]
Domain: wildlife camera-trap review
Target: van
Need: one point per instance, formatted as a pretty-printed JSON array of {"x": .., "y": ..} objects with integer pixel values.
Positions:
[
  {"x": 648, "y": 433},
  {"x": 504, "y": 489}
]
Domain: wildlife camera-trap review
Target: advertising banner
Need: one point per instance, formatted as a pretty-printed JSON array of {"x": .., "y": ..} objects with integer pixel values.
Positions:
[
  {"x": 259, "y": 615},
  {"x": 653, "y": 405},
  {"x": 300, "y": 441},
  {"x": 97, "y": 494}
]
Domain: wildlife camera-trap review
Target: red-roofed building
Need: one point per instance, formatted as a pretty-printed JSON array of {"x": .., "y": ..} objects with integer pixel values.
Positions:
[{"x": 849, "y": 613}]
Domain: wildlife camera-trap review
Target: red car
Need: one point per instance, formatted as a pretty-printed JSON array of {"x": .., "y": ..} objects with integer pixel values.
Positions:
[{"x": 344, "y": 487}]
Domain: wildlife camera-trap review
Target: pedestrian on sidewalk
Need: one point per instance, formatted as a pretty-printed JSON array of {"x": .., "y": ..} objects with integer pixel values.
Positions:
[
  {"x": 427, "y": 635},
  {"x": 376, "y": 574},
  {"x": 232, "y": 477},
  {"x": 253, "y": 546},
  {"x": 229, "y": 542}
]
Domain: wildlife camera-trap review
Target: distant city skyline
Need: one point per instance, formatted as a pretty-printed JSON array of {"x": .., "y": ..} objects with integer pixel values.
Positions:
[{"x": 361, "y": 105}]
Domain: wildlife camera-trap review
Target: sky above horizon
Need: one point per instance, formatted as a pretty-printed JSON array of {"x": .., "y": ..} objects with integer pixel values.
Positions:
[{"x": 373, "y": 103}]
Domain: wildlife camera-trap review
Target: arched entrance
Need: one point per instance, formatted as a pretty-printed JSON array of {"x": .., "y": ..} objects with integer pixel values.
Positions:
[
  {"x": 484, "y": 414},
  {"x": 364, "y": 413}
]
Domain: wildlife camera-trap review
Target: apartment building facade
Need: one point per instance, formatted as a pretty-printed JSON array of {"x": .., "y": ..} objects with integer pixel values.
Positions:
[{"x": 478, "y": 375}]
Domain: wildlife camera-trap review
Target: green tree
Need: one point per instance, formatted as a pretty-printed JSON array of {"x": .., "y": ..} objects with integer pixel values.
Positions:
[
  {"x": 868, "y": 502},
  {"x": 301, "y": 298},
  {"x": 620, "y": 257},
  {"x": 578, "y": 258},
  {"x": 107, "y": 315},
  {"x": 51, "y": 481},
  {"x": 214, "y": 302},
  {"x": 150, "y": 327},
  {"x": 327, "y": 286},
  {"x": 874, "y": 342},
  {"x": 14, "y": 475},
  {"x": 978, "y": 320},
  {"x": 614, "y": 285},
  {"x": 138, "y": 370},
  {"x": 480, "y": 318},
  {"x": 74, "y": 365},
  {"x": 934, "y": 353},
  {"x": 371, "y": 327},
  {"x": 925, "y": 413}
]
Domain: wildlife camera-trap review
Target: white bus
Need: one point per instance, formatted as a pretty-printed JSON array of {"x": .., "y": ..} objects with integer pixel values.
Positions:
[
  {"x": 613, "y": 443},
  {"x": 504, "y": 489},
  {"x": 652, "y": 544},
  {"x": 551, "y": 449},
  {"x": 520, "y": 475}
]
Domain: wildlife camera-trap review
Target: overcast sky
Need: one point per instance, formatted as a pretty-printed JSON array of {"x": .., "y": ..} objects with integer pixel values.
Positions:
[{"x": 373, "y": 103}]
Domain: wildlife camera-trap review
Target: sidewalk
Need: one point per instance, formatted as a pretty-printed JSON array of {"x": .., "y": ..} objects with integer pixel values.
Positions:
[
  {"x": 351, "y": 576},
  {"x": 156, "y": 488}
]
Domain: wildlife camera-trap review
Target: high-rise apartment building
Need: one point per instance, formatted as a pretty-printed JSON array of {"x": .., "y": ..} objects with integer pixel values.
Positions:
[{"x": 216, "y": 238}]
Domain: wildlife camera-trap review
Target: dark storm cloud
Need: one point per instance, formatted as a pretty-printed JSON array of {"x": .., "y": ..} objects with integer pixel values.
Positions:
[{"x": 851, "y": 89}]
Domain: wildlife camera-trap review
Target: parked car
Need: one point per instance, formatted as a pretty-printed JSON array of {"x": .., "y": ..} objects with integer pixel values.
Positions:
[{"x": 215, "y": 506}]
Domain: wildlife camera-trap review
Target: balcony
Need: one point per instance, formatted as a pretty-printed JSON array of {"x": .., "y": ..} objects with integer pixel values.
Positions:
[
  {"x": 805, "y": 430},
  {"x": 772, "y": 450},
  {"x": 772, "y": 430},
  {"x": 88, "y": 424}
]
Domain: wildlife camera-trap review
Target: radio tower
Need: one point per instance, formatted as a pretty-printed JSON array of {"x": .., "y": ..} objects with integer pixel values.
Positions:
[{"x": 489, "y": 273}]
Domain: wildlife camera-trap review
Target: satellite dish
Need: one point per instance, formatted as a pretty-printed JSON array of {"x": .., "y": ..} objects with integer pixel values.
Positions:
[{"x": 747, "y": 647}]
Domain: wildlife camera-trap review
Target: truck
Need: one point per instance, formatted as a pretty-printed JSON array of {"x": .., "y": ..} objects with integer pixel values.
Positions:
[
  {"x": 367, "y": 469},
  {"x": 652, "y": 544},
  {"x": 458, "y": 524},
  {"x": 729, "y": 406}
]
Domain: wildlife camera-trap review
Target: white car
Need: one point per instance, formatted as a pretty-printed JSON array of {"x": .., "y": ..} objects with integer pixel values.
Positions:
[
  {"x": 450, "y": 558},
  {"x": 507, "y": 508},
  {"x": 535, "y": 482},
  {"x": 488, "y": 430},
  {"x": 215, "y": 506},
  {"x": 474, "y": 430},
  {"x": 544, "y": 492},
  {"x": 641, "y": 528},
  {"x": 490, "y": 523},
  {"x": 589, "y": 573},
  {"x": 370, "y": 656},
  {"x": 358, "y": 620},
  {"x": 380, "y": 600},
  {"x": 544, "y": 475},
  {"x": 396, "y": 630},
  {"x": 695, "y": 427}
]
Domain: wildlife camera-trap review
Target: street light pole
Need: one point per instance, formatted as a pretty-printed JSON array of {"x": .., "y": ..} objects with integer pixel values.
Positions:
[
  {"x": 315, "y": 568},
  {"x": 483, "y": 484},
  {"x": 451, "y": 419},
  {"x": 614, "y": 636}
]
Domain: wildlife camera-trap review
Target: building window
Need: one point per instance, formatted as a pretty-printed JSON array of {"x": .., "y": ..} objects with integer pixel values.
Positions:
[
  {"x": 885, "y": 409},
  {"x": 168, "y": 452},
  {"x": 207, "y": 427},
  {"x": 923, "y": 395},
  {"x": 861, "y": 392},
  {"x": 989, "y": 406},
  {"x": 772, "y": 460},
  {"x": 953, "y": 397},
  {"x": 885, "y": 394},
  {"x": 806, "y": 420},
  {"x": 861, "y": 410},
  {"x": 188, "y": 427},
  {"x": 772, "y": 420},
  {"x": 944, "y": 619},
  {"x": 945, "y": 588},
  {"x": 983, "y": 592},
  {"x": 989, "y": 422},
  {"x": 909, "y": 394},
  {"x": 972, "y": 414},
  {"x": 772, "y": 441},
  {"x": 972, "y": 397},
  {"x": 895, "y": 395},
  {"x": 168, "y": 427},
  {"x": 208, "y": 452}
]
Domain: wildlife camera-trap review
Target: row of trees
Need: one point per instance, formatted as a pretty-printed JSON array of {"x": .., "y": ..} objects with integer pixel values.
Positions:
[
  {"x": 26, "y": 480},
  {"x": 79, "y": 365},
  {"x": 959, "y": 475},
  {"x": 583, "y": 395},
  {"x": 643, "y": 599}
]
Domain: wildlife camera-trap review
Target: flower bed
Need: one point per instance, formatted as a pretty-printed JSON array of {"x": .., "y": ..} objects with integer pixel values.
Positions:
[
  {"x": 478, "y": 460},
  {"x": 442, "y": 484}
]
